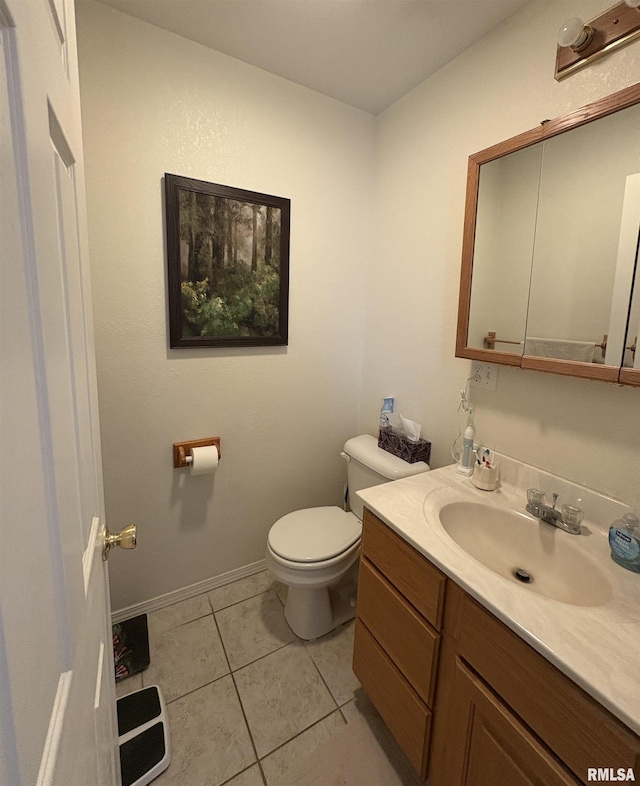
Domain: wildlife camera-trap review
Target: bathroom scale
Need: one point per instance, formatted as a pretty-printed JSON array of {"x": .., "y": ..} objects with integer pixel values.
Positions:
[{"x": 143, "y": 736}]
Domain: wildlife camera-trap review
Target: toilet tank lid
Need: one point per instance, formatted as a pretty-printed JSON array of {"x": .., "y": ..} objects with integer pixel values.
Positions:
[{"x": 364, "y": 449}]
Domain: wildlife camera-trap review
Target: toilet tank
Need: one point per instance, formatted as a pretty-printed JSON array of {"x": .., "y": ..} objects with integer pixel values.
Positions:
[{"x": 368, "y": 465}]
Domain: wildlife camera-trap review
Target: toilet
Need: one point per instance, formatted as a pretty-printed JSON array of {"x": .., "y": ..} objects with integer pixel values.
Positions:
[{"x": 315, "y": 551}]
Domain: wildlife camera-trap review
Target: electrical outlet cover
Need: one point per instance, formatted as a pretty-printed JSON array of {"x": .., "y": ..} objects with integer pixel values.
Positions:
[{"x": 483, "y": 375}]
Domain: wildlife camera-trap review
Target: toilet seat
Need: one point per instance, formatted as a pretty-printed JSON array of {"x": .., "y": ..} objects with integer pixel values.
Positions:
[{"x": 314, "y": 535}]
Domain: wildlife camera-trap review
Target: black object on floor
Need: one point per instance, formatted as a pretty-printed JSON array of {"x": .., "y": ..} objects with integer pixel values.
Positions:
[
  {"x": 130, "y": 646},
  {"x": 143, "y": 736}
]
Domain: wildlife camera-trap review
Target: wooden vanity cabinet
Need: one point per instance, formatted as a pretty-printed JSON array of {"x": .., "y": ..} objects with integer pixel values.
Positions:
[
  {"x": 400, "y": 607},
  {"x": 534, "y": 702},
  {"x": 478, "y": 741},
  {"x": 469, "y": 701}
]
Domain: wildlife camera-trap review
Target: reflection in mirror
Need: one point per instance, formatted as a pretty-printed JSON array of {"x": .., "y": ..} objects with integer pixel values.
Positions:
[
  {"x": 584, "y": 254},
  {"x": 621, "y": 335},
  {"x": 631, "y": 358},
  {"x": 503, "y": 249}
]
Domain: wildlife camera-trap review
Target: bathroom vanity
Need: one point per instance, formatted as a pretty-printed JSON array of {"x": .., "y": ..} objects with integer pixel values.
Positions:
[{"x": 480, "y": 680}]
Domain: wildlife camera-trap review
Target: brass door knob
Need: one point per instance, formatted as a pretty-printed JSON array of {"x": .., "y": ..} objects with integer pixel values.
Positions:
[{"x": 126, "y": 539}]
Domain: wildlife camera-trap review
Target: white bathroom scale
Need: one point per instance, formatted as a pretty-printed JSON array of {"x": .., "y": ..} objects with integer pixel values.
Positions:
[{"x": 143, "y": 736}]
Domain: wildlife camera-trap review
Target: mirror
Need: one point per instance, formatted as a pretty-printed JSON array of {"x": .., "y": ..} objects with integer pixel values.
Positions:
[{"x": 551, "y": 245}]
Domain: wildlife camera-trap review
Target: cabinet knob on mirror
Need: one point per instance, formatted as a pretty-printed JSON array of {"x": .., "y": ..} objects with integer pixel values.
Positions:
[{"x": 126, "y": 539}]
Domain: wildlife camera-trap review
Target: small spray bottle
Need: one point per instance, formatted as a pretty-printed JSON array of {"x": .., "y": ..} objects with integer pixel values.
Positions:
[
  {"x": 465, "y": 467},
  {"x": 387, "y": 409}
]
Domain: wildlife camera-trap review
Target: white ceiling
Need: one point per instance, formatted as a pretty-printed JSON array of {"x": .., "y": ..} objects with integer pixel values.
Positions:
[{"x": 367, "y": 53}]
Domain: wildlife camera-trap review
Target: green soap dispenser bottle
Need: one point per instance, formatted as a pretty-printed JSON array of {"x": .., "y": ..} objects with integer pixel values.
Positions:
[{"x": 624, "y": 542}]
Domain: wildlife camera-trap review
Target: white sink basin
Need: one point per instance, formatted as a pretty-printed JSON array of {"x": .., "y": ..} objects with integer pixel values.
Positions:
[{"x": 506, "y": 541}]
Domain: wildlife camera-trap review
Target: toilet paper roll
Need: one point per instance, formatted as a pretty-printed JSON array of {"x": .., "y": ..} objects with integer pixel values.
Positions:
[{"x": 205, "y": 460}]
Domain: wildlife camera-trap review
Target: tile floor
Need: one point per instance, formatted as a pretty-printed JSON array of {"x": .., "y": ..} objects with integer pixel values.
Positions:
[{"x": 247, "y": 700}]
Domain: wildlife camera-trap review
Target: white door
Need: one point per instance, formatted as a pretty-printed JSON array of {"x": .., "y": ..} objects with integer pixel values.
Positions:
[
  {"x": 619, "y": 333},
  {"x": 57, "y": 696}
]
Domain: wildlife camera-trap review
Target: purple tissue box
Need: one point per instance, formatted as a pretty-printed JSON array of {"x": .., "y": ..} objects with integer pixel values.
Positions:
[{"x": 403, "y": 448}]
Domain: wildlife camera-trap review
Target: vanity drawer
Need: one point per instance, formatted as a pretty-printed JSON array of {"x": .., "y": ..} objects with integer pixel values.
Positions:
[
  {"x": 578, "y": 729},
  {"x": 405, "y": 714},
  {"x": 410, "y": 642},
  {"x": 418, "y": 580}
]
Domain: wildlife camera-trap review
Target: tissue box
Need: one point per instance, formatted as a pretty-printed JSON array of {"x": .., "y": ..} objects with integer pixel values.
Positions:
[{"x": 404, "y": 448}]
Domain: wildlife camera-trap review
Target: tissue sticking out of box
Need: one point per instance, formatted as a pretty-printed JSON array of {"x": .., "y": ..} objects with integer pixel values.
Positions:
[
  {"x": 405, "y": 428},
  {"x": 400, "y": 445}
]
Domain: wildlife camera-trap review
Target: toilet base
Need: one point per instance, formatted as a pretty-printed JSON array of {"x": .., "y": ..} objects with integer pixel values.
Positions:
[{"x": 313, "y": 612}]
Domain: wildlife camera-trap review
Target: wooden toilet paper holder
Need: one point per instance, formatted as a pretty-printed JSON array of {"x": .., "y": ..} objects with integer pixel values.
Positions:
[{"x": 182, "y": 450}]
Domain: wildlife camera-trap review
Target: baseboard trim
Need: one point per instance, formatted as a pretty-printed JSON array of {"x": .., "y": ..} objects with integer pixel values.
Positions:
[{"x": 187, "y": 592}]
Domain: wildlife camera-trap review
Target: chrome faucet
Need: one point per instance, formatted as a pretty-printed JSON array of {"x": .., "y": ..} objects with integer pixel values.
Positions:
[{"x": 568, "y": 521}]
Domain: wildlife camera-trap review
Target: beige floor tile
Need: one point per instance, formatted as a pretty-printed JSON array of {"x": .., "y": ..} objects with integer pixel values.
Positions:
[
  {"x": 282, "y": 694},
  {"x": 361, "y": 714},
  {"x": 253, "y": 628},
  {"x": 239, "y": 590},
  {"x": 333, "y": 655},
  {"x": 250, "y": 777},
  {"x": 361, "y": 755},
  {"x": 282, "y": 759},
  {"x": 129, "y": 685},
  {"x": 186, "y": 658},
  {"x": 177, "y": 614},
  {"x": 209, "y": 738}
]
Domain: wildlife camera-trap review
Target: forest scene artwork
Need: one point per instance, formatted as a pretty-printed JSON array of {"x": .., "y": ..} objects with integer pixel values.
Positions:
[{"x": 228, "y": 257}]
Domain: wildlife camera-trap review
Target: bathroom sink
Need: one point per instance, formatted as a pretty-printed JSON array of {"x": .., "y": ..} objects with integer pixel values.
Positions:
[{"x": 548, "y": 560}]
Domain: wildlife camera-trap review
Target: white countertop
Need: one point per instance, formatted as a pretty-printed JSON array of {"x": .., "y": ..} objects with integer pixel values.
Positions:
[{"x": 596, "y": 646}]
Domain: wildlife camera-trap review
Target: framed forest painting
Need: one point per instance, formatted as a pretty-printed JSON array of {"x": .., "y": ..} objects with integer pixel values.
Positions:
[{"x": 228, "y": 264}]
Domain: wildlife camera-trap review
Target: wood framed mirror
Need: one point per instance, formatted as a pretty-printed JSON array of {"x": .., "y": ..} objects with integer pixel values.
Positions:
[{"x": 550, "y": 246}]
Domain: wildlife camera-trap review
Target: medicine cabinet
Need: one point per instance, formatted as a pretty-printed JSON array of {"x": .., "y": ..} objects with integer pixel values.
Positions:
[{"x": 550, "y": 276}]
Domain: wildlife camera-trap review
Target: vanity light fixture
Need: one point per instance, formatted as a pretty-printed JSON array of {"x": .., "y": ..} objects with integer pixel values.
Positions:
[
  {"x": 575, "y": 34},
  {"x": 580, "y": 43}
]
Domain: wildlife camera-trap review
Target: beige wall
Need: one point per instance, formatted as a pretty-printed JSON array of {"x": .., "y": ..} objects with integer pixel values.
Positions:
[
  {"x": 586, "y": 431},
  {"x": 152, "y": 103}
]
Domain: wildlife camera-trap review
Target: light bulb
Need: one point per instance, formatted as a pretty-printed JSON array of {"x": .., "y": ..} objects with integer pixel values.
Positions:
[{"x": 575, "y": 34}]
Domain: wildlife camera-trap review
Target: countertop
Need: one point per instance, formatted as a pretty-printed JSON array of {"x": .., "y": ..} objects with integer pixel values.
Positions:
[{"x": 596, "y": 646}]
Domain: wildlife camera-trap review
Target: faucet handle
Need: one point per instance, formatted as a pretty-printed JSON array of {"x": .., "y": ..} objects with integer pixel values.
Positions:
[
  {"x": 572, "y": 516},
  {"x": 535, "y": 497}
]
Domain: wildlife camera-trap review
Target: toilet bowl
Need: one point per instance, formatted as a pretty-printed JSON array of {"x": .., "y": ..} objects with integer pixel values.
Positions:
[
  {"x": 310, "y": 551},
  {"x": 315, "y": 551}
]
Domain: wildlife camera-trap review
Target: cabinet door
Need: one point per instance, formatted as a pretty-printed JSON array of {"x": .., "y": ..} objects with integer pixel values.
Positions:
[
  {"x": 477, "y": 741},
  {"x": 580, "y": 732}
]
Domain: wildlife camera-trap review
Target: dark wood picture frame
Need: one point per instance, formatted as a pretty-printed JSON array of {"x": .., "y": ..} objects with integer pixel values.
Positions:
[{"x": 228, "y": 265}]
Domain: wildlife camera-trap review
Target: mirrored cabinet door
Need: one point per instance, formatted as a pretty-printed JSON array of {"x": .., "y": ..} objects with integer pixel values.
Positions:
[
  {"x": 503, "y": 250},
  {"x": 550, "y": 247},
  {"x": 585, "y": 241}
]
